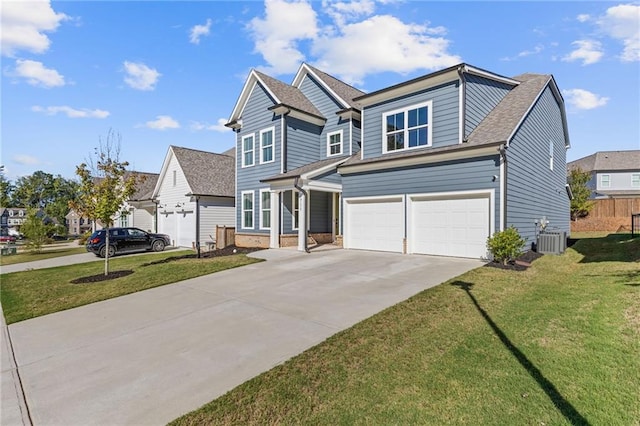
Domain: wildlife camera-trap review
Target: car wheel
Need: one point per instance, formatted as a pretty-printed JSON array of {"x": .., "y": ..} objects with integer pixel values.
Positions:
[
  {"x": 157, "y": 246},
  {"x": 103, "y": 251}
]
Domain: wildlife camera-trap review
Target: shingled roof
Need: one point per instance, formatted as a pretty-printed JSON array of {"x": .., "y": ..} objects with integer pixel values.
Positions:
[
  {"x": 289, "y": 95},
  {"x": 145, "y": 186},
  {"x": 608, "y": 160},
  {"x": 307, "y": 168},
  {"x": 207, "y": 173},
  {"x": 342, "y": 89}
]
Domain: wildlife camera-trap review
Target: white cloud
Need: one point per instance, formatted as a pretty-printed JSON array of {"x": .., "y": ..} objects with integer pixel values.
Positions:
[
  {"x": 37, "y": 74},
  {"x": 583, "y": 99},
  {"x": 583, "y": 17},
  {"x": 622, "y": 23},
  {"x": 162, "y": 122},
  {"x": 71, "y": 112},
  {"x": 24, "y": 24},
  {"x": 276, "y": 36},
  {"x": 25, "y": 160},
  {"x": 218, "y": 127},
  {"x": 399, "y": 47},
  {"x": 140, "y": 77},
  {"x": 587, "y": 51},
  {"x": 345, "y": 46},
  {"x": 537, "y": 49},
  {"x": 198, "y": 31}
]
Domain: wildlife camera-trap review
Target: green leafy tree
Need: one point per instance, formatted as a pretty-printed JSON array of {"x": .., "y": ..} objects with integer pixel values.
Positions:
[
  {"x": 35, "y": 229},
  {"x": 505, "y": 245},
  {"x": 105, "y": 185},
  {"x": 5, "y": 189},
  {"x": 581, "y": 203}
]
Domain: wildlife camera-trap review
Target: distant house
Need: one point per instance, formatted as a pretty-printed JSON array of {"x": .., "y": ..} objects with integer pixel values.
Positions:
[
  {"x": 76, "y": 224},
  {"x": 433, "y": 165},
  {"x": 614, "y": 174},
  {"x": 16, "y": 216},
  {"x": 195, "y": 193}
]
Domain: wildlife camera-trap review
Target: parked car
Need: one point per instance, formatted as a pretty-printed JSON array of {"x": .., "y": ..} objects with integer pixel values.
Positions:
[
  {"x": 126, "y": 240},
  {"x": 7, "y": 239}
]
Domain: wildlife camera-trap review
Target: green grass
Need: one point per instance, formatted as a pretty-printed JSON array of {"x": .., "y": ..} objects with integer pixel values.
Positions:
[
  {"x": 38, "y": 292},
  {"x": 557, "y": 344},
  {"x": 45, "y": 254}
]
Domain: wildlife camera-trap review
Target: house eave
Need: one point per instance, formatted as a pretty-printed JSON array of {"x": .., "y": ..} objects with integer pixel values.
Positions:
[
  {"x": 350, "y": 114},
  {"x": 282, "y": 109}
]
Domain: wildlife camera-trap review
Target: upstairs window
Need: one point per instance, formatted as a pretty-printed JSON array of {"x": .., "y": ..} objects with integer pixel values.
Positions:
[
  {"x": 635, "y": 180},
  {"x": 334, "y": 143},
  {"x": 407, "y": 128},
  {"x": 247, "y": 151},
  {"x": 605, "y": 181},
  {"x": 266, "y": 145}
]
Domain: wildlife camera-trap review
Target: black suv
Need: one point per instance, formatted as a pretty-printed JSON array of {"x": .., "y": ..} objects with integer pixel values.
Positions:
[{"x": 126, "y": 240}]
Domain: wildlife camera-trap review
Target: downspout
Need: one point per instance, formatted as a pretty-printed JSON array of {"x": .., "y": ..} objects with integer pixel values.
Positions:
[
  {"x": 463, "y": 106},
  {"x": 304, "y": 195},
  {"x": 155, "y": 215},
  {"x": 284, "y": 142},
  {"x": 503, "y": 156}
]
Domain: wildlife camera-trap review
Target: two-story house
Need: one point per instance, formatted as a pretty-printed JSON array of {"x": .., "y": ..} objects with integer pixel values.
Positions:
[
  {"x": 433, "y": 165},
  {"x": 77, "y": 224},
  {"x": 614, "y": 174},
  {"x": 140, "y": 209}
]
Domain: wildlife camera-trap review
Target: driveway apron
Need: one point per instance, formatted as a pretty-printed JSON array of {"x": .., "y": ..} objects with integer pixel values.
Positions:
[{"x": 149, "y": 357}]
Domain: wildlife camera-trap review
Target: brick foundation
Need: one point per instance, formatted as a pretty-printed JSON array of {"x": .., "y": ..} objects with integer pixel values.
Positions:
[{"x": 252, "y": 240}]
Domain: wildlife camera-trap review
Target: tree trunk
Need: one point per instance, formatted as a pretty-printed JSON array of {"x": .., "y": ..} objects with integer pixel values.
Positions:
[{"x": 106, "y": 253}]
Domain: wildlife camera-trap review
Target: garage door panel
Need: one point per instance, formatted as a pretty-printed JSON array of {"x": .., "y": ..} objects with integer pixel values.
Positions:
[
  {"x": 375, "y": 225},
  {"x": 449, "y": 227}
]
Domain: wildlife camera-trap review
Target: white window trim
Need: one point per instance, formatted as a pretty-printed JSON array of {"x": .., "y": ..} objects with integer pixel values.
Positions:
[
  {"x": 429, "y": 105},
  {"x": 253, "y": 151},
  {"x": 294, "y": 197},
  {"x": 268, "y": 208},
  {"x": 339, "y": 132},
  {"x": 253, "y": 204},
  {"x": 638, "y": 180},
  {"x": 602, "y": 185},
  {"x": 273, "y": 145}
]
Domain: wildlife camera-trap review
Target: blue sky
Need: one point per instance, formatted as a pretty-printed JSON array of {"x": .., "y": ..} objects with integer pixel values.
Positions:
[{"x": 166, "y": 73}]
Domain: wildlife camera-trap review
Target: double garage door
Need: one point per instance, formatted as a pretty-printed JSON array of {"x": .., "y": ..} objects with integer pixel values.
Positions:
[
  {"x": 180, "y": 226},
  {"x": 436, "y": 225}
]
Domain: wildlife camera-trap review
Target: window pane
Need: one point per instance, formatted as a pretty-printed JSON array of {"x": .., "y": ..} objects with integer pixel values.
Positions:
[
  {"x": 266, "y": 219},
  {"x": 267, "y": 154},
  {"x": 395, "y": 142},
  {"x": 413, "y": 138},
  {"x": 248, "y": 143},
  {"x": 248, "y": 219},
  {"x": 266, "y": 200},
  {"x": 247, "y": 202},
  {"x": 423, "y": 136},
  {"x": 335, "y": 149},
  {"x": 413, "y": 117},
  {"x": 267, "y": 138},
  {"x": 248, "y": 158}
]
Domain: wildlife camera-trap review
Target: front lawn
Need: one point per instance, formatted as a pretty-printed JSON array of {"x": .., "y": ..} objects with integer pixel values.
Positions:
[
  {"x": 27, "y": 256},
  {"x": 30, "y": 294},
  {"x": 556, "y": 344}
]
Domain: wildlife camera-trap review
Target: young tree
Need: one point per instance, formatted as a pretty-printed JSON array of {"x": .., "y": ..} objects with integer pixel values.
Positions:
[
  {"x": 104, "y": 186},
  {"x": 5, "y": 189},
  {"x": 35, "y": 230},
  {"x": 581, "y": 204}
]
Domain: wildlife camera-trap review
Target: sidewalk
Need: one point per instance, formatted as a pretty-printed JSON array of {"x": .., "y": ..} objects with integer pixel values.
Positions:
[{"x": 13, "y": 409}]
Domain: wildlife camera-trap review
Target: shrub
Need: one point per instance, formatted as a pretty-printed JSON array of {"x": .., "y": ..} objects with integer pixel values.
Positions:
[
  {"x": 84, "y": 237},
  {"x": 505, "y": 245}
]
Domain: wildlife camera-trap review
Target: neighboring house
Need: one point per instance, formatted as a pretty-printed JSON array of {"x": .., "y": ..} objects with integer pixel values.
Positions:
[
  {"x": 4, "y": 220},
  {"x": 195, "y": 193},
  {"x": 16, "y": 216},
  {"x": 614, "y": 174},
  {"x": 76, "y": 224},
  {"x": 140, "y": 210},
  {"x": 433, "y": 165}
]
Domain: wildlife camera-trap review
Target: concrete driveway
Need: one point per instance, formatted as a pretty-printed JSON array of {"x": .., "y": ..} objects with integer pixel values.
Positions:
[{"x": 149, "y": 357}]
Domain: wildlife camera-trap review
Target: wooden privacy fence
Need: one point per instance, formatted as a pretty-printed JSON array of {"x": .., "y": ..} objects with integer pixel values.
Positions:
[
  {"x": 615, "y": 207},
  {"x": 225, "y": 236}
]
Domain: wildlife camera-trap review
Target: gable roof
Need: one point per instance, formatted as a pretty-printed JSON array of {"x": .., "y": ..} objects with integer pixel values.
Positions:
[
  {"x": 207, "y": 173},
  {"x": 341, "y": 91},
  {"x": 608, "y": 160},
  {"x": 144, "y": 189},
  {"x": 310, "y": 170}
]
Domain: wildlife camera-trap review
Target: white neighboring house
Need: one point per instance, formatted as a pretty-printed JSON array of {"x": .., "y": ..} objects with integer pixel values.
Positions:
[
  {"x": 195, "y": 193},
  {"x": 140, "y": 209}
]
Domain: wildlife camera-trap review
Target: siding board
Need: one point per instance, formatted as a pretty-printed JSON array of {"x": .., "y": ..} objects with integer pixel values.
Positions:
[{"x": 482, "y": 96}]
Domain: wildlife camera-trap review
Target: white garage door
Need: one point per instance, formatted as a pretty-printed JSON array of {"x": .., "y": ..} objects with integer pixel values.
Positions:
[
  {"x": 449, "y": 227},
  {"x": 167, "y": 225},
  {"x": 186, "y": 229},
  {"x": 375, "y": 225}
]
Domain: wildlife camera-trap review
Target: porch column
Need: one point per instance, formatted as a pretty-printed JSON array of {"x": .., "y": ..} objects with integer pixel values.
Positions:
[
  {"x": 274, "y": 240},
  {"x": 302, "y": 221}
]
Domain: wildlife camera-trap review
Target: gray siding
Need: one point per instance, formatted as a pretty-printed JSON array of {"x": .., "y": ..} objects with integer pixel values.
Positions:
[
  {"x": 465, "y": 175},
  {"x": 445, "y": 117},
  {"x": 215, "y": 211},
  {"x": 328, "y": 107},
  {"x": 302, "y": 143},
  {"x": 356, "y": 133},
  {"x": 533, "y": 189},
  {"x": 287, "y": 213},
  {"x": 329, "y": 177},
  {"x": 256, "y": 117},
  {"x": 620, "y": 181},
  {"x": 482, "y": 96}
]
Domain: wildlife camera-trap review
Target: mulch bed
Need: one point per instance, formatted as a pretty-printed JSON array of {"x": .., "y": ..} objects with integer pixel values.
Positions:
[
  {"x": 521, "y": 263},
  {"x": 227, "y": 251},
  {"x": 102, "y": 277}
]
